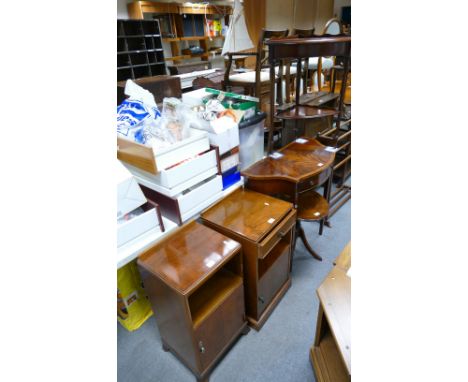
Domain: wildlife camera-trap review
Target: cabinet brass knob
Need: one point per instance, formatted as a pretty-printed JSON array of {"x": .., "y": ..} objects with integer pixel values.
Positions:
[{"x": 202, "y": 348}]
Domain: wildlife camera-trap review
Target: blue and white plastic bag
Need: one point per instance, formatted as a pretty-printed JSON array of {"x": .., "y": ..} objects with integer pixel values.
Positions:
[
  {"x": 137, "y": 113},
  {"x": 132, "y": 118}
]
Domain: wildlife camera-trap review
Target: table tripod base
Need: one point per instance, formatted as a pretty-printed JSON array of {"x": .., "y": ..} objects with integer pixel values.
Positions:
[{"x": 300, "y": 232}]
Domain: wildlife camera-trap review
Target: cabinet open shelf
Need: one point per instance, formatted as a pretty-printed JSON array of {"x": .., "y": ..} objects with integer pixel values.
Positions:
[
  {"x": 212, "y": 294},
  {"x": 269, "y": 260},
  {"x": 327, "y": 353}
]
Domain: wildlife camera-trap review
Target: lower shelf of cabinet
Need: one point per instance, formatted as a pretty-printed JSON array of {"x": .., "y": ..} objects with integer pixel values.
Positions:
[
  {"x": 326, "y": 361},
  {"x": 212, "y": 294}
]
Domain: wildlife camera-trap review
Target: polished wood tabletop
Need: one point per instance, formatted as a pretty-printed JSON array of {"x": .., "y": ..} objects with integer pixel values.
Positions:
[
  {"x": 188, "y": 256},
  {"x": 248, "y": 213},
  {"x": 335, "y": 299},
  {"x": 297, "y": 161},
  {"x": 343, "y": 260}
]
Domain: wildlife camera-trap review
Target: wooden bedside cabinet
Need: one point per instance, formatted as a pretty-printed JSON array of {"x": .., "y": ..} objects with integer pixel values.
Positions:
[
  {"x": 264, "y": 226},
  {"x": 194, "y": 282}
]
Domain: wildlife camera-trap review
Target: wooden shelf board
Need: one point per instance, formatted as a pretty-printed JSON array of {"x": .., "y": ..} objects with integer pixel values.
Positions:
[
  {"x": 139, "y": 51},
  {"x": 176, "y": 58},
  {"x": 193, "y": 38},
  {"x": 200, "y": 55},
  {"x": 189, "y": 38},
  {"x": 140, "y": 36},
  {"x": 327, "y": 361},
  {"x": 211, "y": 294}
]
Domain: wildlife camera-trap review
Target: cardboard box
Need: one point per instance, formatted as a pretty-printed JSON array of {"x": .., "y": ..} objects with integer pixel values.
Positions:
[
  {"x": 149, "y": 219},
  {"x": 225, "y": 140},
  {"x": 187, "y": 204},
  {"x": 231, "y": 177},
  {"x": 229, "y": 159},
  {"x": 181, "y": 177},
  {"x": 129, "y": 194},
  {"x": 147, "y": 159}
]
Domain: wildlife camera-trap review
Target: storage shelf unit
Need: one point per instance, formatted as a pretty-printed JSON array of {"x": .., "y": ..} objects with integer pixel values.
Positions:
[
  {"x": 139, "y": 49},
  {"x": 183, "y": 23}
]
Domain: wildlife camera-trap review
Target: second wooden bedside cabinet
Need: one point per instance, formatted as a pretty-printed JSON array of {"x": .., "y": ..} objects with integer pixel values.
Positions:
[{"x": 264, "y": 226}]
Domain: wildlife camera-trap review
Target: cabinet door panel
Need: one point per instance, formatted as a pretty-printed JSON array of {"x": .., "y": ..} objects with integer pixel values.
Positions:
[
  {"x": 216, "y": 331},
  {"x": 272, "y": 280}
]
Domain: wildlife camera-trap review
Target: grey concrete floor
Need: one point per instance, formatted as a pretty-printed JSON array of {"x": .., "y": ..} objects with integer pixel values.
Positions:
[{"x": 279, "y": 352}]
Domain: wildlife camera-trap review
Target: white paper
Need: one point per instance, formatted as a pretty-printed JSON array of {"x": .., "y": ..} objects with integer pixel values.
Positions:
[
  {"x": 222, "y": 124},
  {"x": 276, "y": 155},
  {"x": 129, "y": 194},
  {"x": 136, "y": 92}
]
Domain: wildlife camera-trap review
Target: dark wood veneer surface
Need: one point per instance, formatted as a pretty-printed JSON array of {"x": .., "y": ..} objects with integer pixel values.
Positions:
[
  {"x": 248, "y": 213},
  {"x": 298, "y": 162},
  {"x": 188, "y": 256}
]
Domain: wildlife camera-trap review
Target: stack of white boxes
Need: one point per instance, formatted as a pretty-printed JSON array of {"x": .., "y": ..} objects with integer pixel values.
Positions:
[
  {"x": 135, "y": 215},
  {"x": 227, "y": 141},
  {"x": 186, "y": 179}
]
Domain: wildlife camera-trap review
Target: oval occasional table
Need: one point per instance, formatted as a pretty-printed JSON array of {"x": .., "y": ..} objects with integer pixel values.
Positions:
[{"x": 292, "y": 171}]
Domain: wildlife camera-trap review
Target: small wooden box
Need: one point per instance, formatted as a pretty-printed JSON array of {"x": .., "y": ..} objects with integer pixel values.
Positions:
[
  {"x": 194, "y": 283},
  {"x": 264, "y": 226}
]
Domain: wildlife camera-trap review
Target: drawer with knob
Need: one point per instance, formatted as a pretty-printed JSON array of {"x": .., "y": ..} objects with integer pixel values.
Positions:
[{"x": 264, "y": 226}]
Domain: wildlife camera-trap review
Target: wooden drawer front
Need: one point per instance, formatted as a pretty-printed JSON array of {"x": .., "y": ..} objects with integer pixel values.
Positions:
[
  {"x": 314, "y": 181},
  {"x": 272, "y": 281},
  {"x": 277, "y": 234},
  {"x": 215, "y": 332}
]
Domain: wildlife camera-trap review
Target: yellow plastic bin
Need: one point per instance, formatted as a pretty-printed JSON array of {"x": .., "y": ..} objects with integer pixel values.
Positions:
[{"x": 133, "y": 307}]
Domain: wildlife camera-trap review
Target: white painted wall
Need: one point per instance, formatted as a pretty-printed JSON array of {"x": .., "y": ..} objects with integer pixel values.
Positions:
[
  {"x": 308, "y": 13},
  {"x": 337, "y": 7},
  {"x": 122, "y": 12},
  {"x": 279, "y": 14}
]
